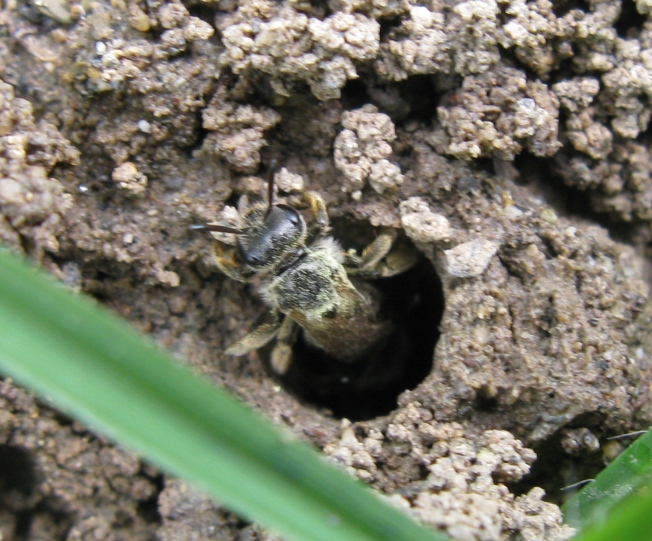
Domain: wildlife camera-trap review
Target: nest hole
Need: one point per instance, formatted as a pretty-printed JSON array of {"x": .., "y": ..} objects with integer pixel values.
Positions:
[
  {"x": 17, "y": 484},
  {"x": 16, "y": 471},
  {"x": 370, "y": 387}
]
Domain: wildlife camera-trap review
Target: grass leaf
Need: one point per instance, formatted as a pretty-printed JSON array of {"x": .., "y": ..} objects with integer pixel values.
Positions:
[
  {"x": 630, "y": 472},
  {"x": 96, "y": 368},
  {"x": 617, "y": 504},
  {"x": 629, "y": 520}
]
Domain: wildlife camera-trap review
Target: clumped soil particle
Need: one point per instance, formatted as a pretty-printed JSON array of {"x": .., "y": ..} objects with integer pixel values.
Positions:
[{"x": 469, "y": 125}]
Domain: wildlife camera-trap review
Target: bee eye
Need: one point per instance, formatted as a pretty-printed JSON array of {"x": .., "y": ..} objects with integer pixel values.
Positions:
[
  {"x": 248, "y": 257},
  {"x": 291, "y": 214},
  {"x": 251, "y": 259}
]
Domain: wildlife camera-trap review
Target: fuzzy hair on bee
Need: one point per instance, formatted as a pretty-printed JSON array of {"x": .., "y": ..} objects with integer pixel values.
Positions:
[{"x": 310, "y": 284}]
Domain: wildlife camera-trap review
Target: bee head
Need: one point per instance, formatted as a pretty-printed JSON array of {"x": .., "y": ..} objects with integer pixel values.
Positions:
[{"x": 272, "y": 234}]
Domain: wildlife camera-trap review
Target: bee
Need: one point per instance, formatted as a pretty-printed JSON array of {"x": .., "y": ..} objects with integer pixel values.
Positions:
[{"x": 310, "y": 284}]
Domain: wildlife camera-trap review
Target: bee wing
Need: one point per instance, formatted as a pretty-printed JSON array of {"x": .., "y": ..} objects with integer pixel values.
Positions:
[{"x": 351, "y": 328}]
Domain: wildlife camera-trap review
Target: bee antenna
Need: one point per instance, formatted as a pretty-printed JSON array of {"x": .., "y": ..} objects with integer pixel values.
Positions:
[
  {"x": 216, "y": 228},
  {"x": 270, "y": 193},
  {"x": 270, "y": 186}
]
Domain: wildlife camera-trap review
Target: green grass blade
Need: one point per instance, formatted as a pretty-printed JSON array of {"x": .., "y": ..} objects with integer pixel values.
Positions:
[
  {"x": 630, "y": 473},
  {"x": 630, "y": 521},
  {"x": 96, "y": 368}
]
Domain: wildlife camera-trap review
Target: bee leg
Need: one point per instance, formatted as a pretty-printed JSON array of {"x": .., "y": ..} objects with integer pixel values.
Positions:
[
  {"x": 226, "y": 262},
  {"x": 318, "y": 209},
  {"x": 373, "y": 254},
  {"x": 381, "y": 259},
  {"x": 401, "y": 258},
  {"x": 313, "y": 202},
  {"x": 281, "y": 357},
  {"x": 257, "y": 338}
]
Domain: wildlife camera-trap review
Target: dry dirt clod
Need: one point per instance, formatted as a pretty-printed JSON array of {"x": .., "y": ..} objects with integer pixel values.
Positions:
[{"x": 495, "y": 134}]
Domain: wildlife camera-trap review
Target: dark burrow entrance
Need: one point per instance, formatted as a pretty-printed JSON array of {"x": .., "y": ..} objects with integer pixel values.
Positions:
[
  {"x": 370, "y": 387},
  {"x": 20, "y": 498}
]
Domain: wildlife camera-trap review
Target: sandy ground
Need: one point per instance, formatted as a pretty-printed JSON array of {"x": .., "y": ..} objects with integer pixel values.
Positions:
[{"x": 508, "y": 141}]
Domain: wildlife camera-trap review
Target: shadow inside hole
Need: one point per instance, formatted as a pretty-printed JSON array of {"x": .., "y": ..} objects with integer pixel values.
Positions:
[
  {"x": 17, "y": 484},
  {"x": 370, "y": 386},
  {"x": 16, "y": 471},
  {"x": 556, "y": 470}
]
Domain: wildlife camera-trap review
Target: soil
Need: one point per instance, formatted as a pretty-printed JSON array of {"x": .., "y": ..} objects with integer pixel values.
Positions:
[{"x": 507, "y": 141}]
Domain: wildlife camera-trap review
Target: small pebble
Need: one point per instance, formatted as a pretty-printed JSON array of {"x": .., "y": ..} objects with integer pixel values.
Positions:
[
  {"x": 471, "y": 258},
  {"x": 144, "y": 126}
]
